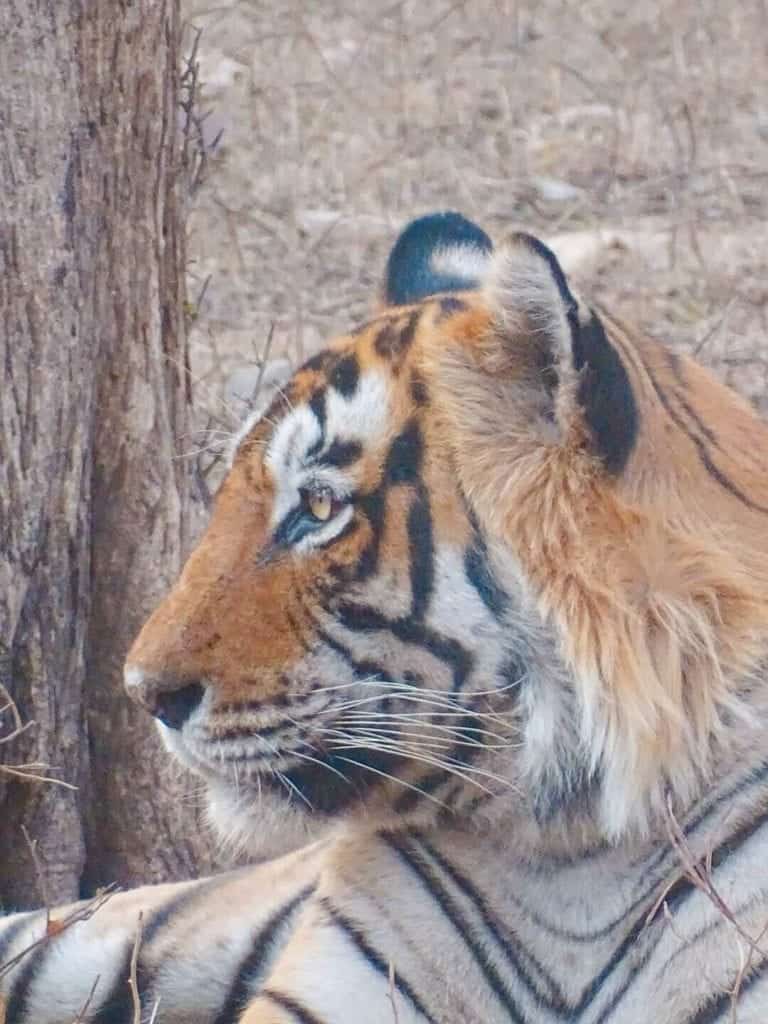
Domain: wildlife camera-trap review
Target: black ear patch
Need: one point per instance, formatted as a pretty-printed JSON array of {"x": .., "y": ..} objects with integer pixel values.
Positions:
[
  {"x": 441, "y": 252},
  {"x": 605, "y": 394}
]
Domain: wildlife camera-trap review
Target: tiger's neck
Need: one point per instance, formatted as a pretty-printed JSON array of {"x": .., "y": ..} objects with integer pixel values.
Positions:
[{"x": 570, "y": 933}]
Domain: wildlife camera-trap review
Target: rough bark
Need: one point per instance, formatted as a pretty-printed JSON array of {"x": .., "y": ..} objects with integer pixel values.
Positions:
[{"x": 93, "y": 501}]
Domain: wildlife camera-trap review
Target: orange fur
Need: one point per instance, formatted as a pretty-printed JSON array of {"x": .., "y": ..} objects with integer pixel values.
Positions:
[{"x": 654, "y": 581}]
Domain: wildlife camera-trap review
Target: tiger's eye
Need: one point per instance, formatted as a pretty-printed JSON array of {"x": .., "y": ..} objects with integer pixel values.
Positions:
[{"x": 320, "y": 503}]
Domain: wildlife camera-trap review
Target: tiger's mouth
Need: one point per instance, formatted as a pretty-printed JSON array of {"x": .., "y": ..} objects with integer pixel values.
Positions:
[{"x": 325, "y": 782}]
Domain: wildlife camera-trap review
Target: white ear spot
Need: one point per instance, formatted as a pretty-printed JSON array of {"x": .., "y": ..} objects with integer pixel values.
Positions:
[{"x": 467, "y": 262}]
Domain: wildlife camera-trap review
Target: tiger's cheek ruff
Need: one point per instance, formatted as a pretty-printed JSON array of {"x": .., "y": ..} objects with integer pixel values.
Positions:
[{"x": 661, "y": 621}]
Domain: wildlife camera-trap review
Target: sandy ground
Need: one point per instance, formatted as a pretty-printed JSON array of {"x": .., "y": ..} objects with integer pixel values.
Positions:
[{"x": 633, "y": 137}]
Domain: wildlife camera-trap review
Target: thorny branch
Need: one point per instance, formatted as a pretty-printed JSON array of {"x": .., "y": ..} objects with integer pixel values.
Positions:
[{"x": 195, "y": 150}]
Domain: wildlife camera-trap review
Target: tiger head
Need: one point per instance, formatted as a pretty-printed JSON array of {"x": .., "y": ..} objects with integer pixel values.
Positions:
[{"x": 489, "y": 557}]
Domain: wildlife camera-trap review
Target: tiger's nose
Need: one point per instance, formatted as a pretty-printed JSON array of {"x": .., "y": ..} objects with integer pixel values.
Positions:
[{"x": 169, "y": 701}]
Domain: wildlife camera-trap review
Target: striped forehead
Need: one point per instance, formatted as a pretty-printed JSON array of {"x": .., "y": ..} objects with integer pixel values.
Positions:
[
  {"x": 316, "y": 430},
  {"x": 347, "y": 394}
]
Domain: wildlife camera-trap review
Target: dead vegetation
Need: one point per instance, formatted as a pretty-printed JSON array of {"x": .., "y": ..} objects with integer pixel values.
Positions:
[
  {"x": 335, "y": 122},
  {"x": 11, "y": 728}
]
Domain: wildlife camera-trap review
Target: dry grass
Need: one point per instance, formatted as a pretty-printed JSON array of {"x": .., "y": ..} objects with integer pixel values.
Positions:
[{"x": 342, "y": 119}]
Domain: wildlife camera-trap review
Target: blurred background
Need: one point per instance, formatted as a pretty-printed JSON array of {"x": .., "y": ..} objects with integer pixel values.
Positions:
[{"x": 633, "y": 137}]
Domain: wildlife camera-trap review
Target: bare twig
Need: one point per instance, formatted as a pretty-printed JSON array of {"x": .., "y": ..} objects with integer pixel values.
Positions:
[
  {"x": 195, "y": 150},
  {"x": 55, "y": 926},
  {"x": 699, "y": 872},
  {"x": 700, "y": 875},
  {"x": 40, "y": 875},
  {"x": 133, "y": 981},
  {"x": 83, "y": 1011},
  {"x": 33, "y": 771}
]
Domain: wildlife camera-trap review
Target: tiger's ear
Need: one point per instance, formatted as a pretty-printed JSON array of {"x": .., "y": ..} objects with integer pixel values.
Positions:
[
  {"x": 567, "y": 372},
  {"x": 441, "y": 252}
]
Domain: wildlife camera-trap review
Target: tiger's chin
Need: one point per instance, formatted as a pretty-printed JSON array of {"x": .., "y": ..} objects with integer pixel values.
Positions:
[
  {"x": 270, "y": 811},
  {"x": 255, "y": 824}
]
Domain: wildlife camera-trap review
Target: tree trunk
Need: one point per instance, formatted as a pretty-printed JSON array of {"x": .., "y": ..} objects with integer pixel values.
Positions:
[{"x": 93, "y": 502}]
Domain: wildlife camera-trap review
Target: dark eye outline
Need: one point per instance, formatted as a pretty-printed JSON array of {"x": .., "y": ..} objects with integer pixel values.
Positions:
[{"x": 301, "y": 521}]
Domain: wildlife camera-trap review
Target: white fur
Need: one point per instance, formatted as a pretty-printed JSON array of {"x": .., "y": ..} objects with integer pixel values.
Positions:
[{"x": 469, "y": 262}]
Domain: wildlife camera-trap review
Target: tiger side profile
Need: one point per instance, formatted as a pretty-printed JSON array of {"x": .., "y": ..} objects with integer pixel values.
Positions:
[{"x": 472, "y": 659}]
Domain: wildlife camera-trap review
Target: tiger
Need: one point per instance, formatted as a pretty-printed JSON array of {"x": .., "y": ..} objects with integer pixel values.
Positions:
[{"x": 471, "y": 660}]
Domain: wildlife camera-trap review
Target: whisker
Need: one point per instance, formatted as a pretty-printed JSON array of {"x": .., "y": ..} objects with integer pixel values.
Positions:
[
  {"x": 450, "y": 767},
  {"x": 393, "y": 778},
  {"x": 322, "y": 764},
  {"x": 441, "y": 742},
  {"x": 445, "y": 707},
  {"x": 423, "y": 719},
  {"x": 293, "y": 788},
  {"x": 417, "y": 688}
]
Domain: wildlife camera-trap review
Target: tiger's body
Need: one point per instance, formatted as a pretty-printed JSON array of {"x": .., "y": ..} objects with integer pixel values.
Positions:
[{"x": 483, "y": 605}]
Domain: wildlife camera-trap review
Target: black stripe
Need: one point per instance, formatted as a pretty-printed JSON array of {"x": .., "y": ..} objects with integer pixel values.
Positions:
[
  {"x": 117, "y": 1006},
  {"x": 421, "y": 551},
  {"x": 680, "y": 892},
  {"x": 673, "y": 361},
  {"x": 341, "y": 454},
  {"x": 714, "y": 471},
  {"x": 756, "y": 777},
  {"x": 10, "y": 931},
  {"x": 731, "y": 845},
  {"x": 559, "y": 1004},
  {"x": 355, "y": 935},
  {"x": 655, "y": 869},
  {"x": 606, "y": 1015},
  {"x": 361, "y": 618},
  {"x": 720, "y": 1006},
  {"x": 394, "y": 339},
  {"x": 513, "y": 950},
  {"x": 401, "y": 466},
  {"x": 545, "y": 253},
  {"x": 317, "y": 362},
  {"x": 373, "y": 506},
  {"x": 480, "y": 577},
  {"x": 29, "y": 968},
  {"x": 254, "y": 965},
  {"x": 405, "y": 455},
  {"x": 317, "y": 405},
  {"x": 461, "y": 924},
  {"x": 346, "y": 375},
  {"x": 299, "y": 1012}
]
